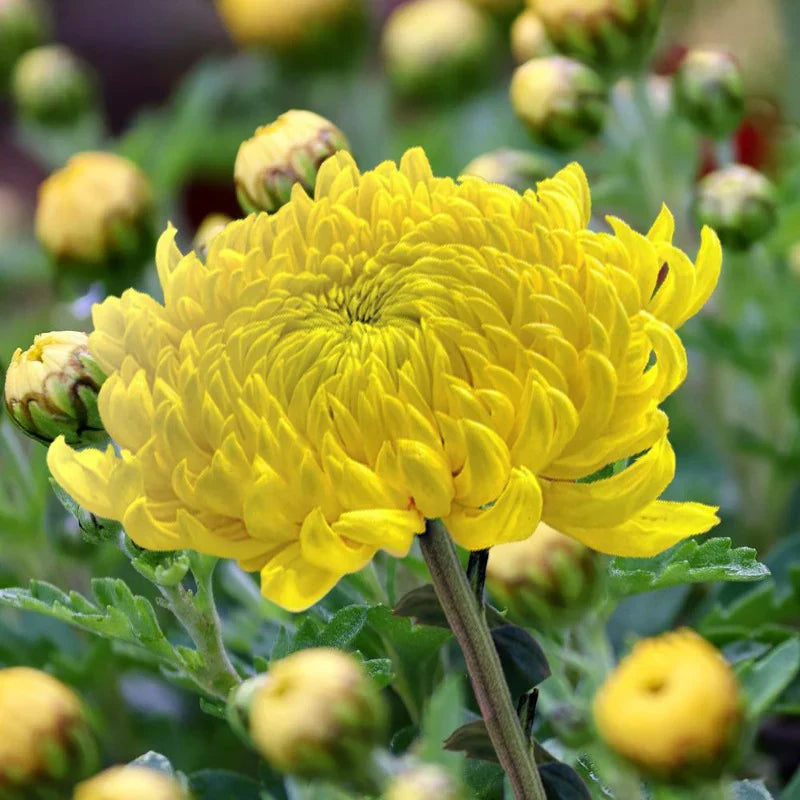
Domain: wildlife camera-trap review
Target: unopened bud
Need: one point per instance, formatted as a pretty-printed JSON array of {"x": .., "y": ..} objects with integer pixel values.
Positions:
[
  {"x": 544, "y": 577},
  {"x": 130, "y": 783},
  {"x": 529, "y": 38},
  {"x": 671, "y": 707},
  {"x": 23, "y": 25},
  {"x": 424, "y": 782},
  {"x": 52, "y": 86},
  {"x": 317, "y": 714},
  {"x": 51, "y": 389},
  {"x": 46, "y": 738},
  {"x": 709, "y": 91},
  {"x": 209, "y": 228},
  {"x": 739, "y": 203},
  {"x": 95, "y": 211},
  {"x": 517, "y": 169},
  {"x": 562, "y": 101},
  {"x": 609, "y": 34},
  {"x": 281, "y": 154},
  {"x": 437, "y": 49}
]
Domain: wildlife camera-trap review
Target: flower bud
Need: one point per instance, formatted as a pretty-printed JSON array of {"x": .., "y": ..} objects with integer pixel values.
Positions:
[
  {"x": 317, "y": 715},
  {"x": 425, "y": 782},
  {"x": 739, "y": 203},
  {"x": 437, "y": 48},
  {"x": 529, "y": 38},
  {"x": 23, "y": 25},
  {"x": 546, "y": 576},
  {"x": 52, "y": 86},
  {"x": 671, "y": 707},
  {"x": 44, "y": 734},
  {"x": 317, "y": 31},
  {"x": 609, "y": 34},
  {"x": 130, "y": 783},
  {"x": 709, "y": 91},
  {"x": 518, "y": 169},
  {"x": 95, "y": 211},
  {"x": 562, "y": 101},
  {"x": 287, "y": 151},
  {"x": 209, "y": 228},
  {"x": 51, "y": 389}
]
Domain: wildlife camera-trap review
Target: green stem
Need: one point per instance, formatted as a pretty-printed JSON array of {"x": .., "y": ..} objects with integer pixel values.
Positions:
[
  {"x": 197, "y": 613},
  {"x": 468, "y": 623}
]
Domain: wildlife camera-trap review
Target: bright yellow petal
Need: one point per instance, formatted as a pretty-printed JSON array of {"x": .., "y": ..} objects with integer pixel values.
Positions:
[{"x": 292, "y": 582}]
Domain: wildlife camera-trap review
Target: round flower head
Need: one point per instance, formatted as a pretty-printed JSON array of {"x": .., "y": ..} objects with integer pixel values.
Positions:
[
  {"x": 51, "y": 389},
  {"x": 317, "y": 714},
  {"x": 436, "y": 48},
  {"x": 23, "y": 24},
  {"x": 399, "y": 347},
  {"x": 43, "y": 728},
  {"x": 423, "y": 782},
  {"x": 281, "y": 154},
  {"x": 93, "y": 209},
  {"x": 672, "y": 704},
  {"x": 562, "y": 101},
  {"x": 529, "y": 38},
  {"x": 129, "y": 783}
]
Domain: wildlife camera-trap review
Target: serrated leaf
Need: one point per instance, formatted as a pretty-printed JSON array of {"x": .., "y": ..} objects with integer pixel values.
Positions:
[
  {"x": 214, "y": 784},
  {"x": 484, "y": 780},
  {"x": 343, "y": 627},
  {"x": 765, "y": 679},
  {"x": 687, "y": 562},
  {"x": 524, "y": 662},
  {"x": 423, "y": 606},
  {"x": 750, "y": 790},
  {"x": 473, "y": 740},
  {"x": 380, "y": 670},
  {"x": 561, "y": 782}
]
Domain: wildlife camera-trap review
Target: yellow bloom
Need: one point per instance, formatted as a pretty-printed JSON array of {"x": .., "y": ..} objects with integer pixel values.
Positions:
[
  {"x": 529, "y": 38},
  {"x": 129, "y": 783},
  {"x": 672, "y": 703},
  {"x": 37, "y": 715},
  {"x": 400, "y": 347},
  {"x": 424, "y": 782},
  {"x": 88, "y": 209}
]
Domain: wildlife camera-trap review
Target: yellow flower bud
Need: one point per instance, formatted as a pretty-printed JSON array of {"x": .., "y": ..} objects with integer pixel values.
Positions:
[
  {"x": 51, "y": 389},
  {"x": 130, "y": 783},
  {"x": 317, "y": 714},
  {"x": 518, "y": 169},
  {"x": 739, "y": 203},
  {"x": 52, "y": 85},
  {"x": 605, "y": 33},
  {"x": 302, "y": 27},
  {"x": 44, "y": 734},
  {"x": 562, "y": 101},
  {"x": 426, "y": 782},
  {"x": 96, "y": 208},
  {"x": 209, "y": 228},
  {"x": 529, "y": 38},
  {"x": 287, "y": 151},
  {"x": 672, "y": 705},
  {"x": 436, "y": 48},
  {"x": 543, "y": 577},
  {"x": 23, "y": 24}
]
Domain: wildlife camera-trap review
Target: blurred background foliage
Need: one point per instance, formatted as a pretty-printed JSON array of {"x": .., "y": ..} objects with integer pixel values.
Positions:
[{"x": 177, "y": 98}]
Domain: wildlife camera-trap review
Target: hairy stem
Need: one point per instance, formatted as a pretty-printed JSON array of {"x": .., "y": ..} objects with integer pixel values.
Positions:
[{"x": 468, "y": 623}]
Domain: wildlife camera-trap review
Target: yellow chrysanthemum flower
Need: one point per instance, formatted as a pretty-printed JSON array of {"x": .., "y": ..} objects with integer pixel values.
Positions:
[
  {"x": 672, "y": 703},
  {"x": 129, "y": 783},
  {"x": 400, "y": 347}
]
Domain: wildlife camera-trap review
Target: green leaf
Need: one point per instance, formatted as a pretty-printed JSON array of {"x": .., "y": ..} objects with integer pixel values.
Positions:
[
  {"x": 750, "y": 790},
  {"x": 343, "y": 627},
  {"x": 423, "y": 606},
  {"x": 687, "y": 562},
  {"x": 473, "y": 740},
  {"x": 524, "y": 662},
  {"x": 442, "y": 715},
  {"x": 561, "y": 782},
  {"x": 214, "y": 784},
  {"x": 380, "y": 670},
  {"x": 765, "y": 679},
  {"x": 484, "y": 780}
]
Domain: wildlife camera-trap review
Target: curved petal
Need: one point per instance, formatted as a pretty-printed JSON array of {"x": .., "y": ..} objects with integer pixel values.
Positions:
[{"x": 292, "y": 582}]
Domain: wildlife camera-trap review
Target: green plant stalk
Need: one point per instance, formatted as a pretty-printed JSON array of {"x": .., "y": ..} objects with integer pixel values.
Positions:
[
  {"x": 197, "y": 612},
  {"x": 468, "y": 623}
]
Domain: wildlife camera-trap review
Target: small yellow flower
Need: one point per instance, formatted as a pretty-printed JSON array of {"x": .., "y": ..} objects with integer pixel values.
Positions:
[
  {"x": 51, "y": 389},
  {"x": 89, "y": 209},
  {"x": 289, "y": 150},
  {"x": 282, "y": 25},
  {"x": 129, "y": 783},
  {"x": 424, "y": 782},
  {"x": 316, "y": 713},
  {"x": 39, "y": 717},
  {"x": 399, "y": 347},
  {"x": 436, "y": 46},
  {"x": 673, "y": 703},
  {"x": 529, "y": 38}
]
